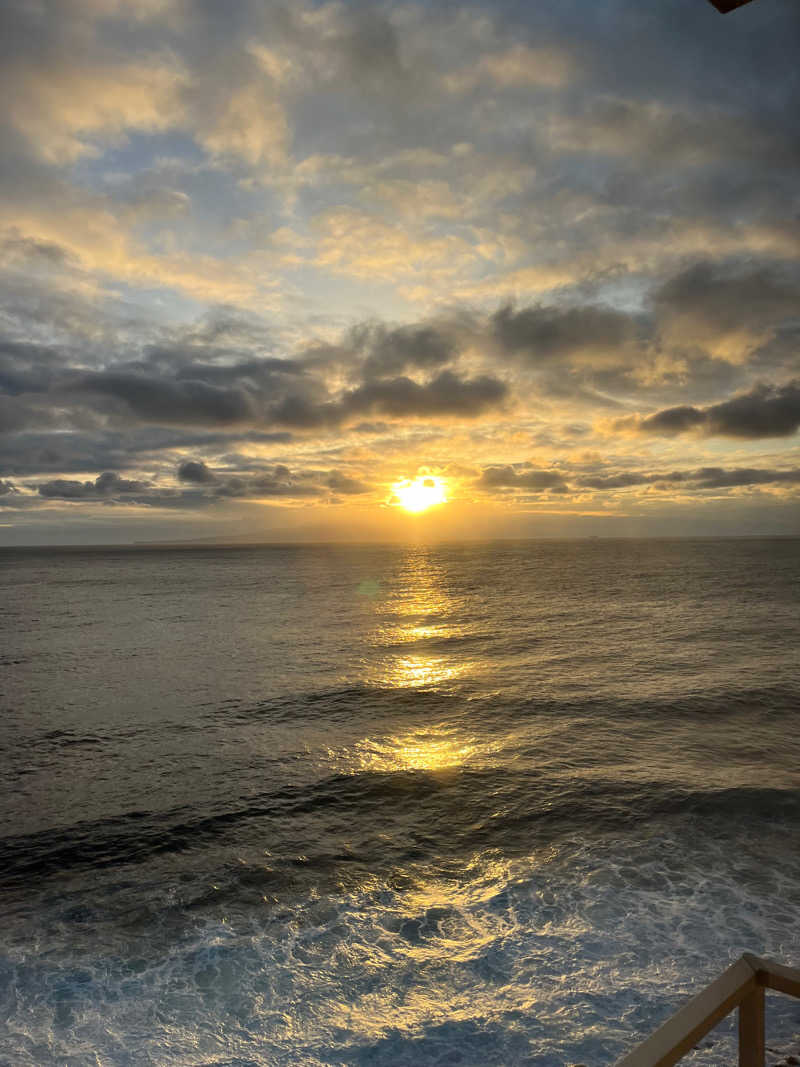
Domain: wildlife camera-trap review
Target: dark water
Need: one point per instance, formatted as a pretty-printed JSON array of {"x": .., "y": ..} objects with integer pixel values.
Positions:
[{"x": 468, "y": 804}]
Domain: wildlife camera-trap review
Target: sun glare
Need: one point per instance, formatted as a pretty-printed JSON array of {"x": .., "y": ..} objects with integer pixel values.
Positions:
[{"x": 419, "y": 494}]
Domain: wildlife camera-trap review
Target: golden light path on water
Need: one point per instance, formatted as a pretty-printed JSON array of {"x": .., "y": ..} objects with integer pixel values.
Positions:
[
  {"x": 418, "y": 671},
  {"x": 451, "y": 915},
  {"x": 418, "y": 613},
  {"x": 439, "y": 747},
  {"x": 442, "y": 919},
  {"x": 443, "y": 925}
]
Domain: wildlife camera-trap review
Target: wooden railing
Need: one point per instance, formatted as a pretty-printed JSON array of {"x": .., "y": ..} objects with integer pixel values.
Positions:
[{"x": 742, "y": 986}]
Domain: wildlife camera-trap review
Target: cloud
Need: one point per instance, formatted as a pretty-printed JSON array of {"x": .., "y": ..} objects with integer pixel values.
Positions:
[
  {"x": 105, "y": 487},
  {"x": 26, "y": 367},
  {"x": 718, "y": 478},
  {"x": 730, "y": 307},
  {"x": 31, "y": 452},
  {"x": 363, "y": 244},
  {"x": 520, "y": 478},
  {"x": 203, "y": 386},
  {"x": 248, "y": 248},
  {"x": 766, "y": 411},
  {"x": 543, "y": 333},
  {"x": 445, "y": 395},
  {"x": 673, "y": 420},
  {"x": 196, "y": 473},
  {"x": 246, "y": 120},
  {"x": 518, "y": 66},
  {"x": 62, "y": 108},
  {"x": 30, "y": 250},
  {"x": 702, "y": 478},
  {"x": 280, "y": 481},
  {"x": 730, "y": 293},
  {"x": 524, "y": 477},
  {"x": 173, "y": 387},
  {"x": 391, "y": 351},
  {"x": 659, "y": 132},
  {"x": 613, "y": 481},
  {"x": 195, "y": 402},
  {"x": 343, "y": 483},
  {"x": 206, "y": 486}
]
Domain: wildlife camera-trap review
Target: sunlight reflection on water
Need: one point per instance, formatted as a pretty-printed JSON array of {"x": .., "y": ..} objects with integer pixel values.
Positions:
[
  {"x": 436, "y": 748},
  {"x": 419, "y": 610},
  {"x": 422, "y": 671}
]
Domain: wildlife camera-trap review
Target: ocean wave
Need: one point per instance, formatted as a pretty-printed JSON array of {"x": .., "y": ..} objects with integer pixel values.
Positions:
[{"x": 381, "y": 819}]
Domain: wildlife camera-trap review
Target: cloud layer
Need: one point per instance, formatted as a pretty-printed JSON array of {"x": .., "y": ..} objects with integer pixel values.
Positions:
[{"x": 282, "y": 256}]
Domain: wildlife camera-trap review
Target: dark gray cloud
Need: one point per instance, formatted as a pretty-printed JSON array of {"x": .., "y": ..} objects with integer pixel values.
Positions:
[
  {"x": 193, "y": 402},
  {"x": 674, "y": 420},
  {"x": 391, "y": 351},
  {"x": 276, "y": 481},
  {"x": 36, "y": 452},
  {"x": 445, "y": 395},
  {"x": 718, "y": 478},
  {"x": 17, "y": 414},
  {"x": 722, "y": 478},
  {"x": 28, "y": 368},
  {"x": 105, "y": 487},
  {"x": 705, "y": 478},
  {"x": 196, "y": 473},
  {"x": 508, "y": 477},
  {"x": 279, "y": 481},
  {"x": 613, "y": 481},
  {"x": 206, "y": 486},
  {"x": 174, "y": 386},
  {"x": 343, "y": 483},
  {"x": 766, "y": 411},
  {"x": 544, "y": 333},
  {"x": 732, "y": 294}
]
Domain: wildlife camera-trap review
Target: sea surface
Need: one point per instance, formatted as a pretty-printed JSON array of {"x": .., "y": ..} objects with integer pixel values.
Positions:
[{"x": 503, "y": 803}]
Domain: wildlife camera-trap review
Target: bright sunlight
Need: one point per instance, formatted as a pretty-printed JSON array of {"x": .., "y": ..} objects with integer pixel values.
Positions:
[{"x": 419, "y": 494}]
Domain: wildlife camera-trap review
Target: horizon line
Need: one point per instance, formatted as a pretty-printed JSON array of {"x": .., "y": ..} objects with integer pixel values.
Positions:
[{"x": 201, "y": 543}]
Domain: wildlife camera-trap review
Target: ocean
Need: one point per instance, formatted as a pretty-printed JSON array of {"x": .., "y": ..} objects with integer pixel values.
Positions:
[{"x": 409, "y": 805}]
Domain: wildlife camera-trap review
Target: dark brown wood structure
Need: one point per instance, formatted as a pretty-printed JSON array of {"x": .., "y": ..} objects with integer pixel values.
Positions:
[
  {"x": 742, "y": 986},
  {"x": 728, "y": 5}
]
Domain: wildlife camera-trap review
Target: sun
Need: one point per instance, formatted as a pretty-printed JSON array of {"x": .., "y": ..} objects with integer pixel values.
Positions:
[{"x": 419, "y": 494}]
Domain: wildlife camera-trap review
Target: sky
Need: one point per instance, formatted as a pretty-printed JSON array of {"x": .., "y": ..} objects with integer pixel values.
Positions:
[{"x": 296, "y": 271}]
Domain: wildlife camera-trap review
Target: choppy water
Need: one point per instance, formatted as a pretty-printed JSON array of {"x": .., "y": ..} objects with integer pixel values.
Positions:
[{"x": 471, "y": 804}]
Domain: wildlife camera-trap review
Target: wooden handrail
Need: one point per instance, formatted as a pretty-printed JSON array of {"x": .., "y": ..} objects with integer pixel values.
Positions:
[{"x": 741, "y": 986}]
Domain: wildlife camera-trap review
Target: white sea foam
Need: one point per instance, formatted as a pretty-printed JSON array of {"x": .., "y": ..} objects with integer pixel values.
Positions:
[{"x": 566, "y": 955}]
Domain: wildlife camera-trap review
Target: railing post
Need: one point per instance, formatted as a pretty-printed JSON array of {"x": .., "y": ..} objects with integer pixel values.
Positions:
[{"x": 751, "y": 1029}]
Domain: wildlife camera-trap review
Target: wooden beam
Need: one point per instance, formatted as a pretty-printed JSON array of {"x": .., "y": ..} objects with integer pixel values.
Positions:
[
  {"x": 751, "y": 1029},
  {"x": 742, "y": 986},
  {"x": 774, "y": 975},
  {"x": 684, "y": 1029}
]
